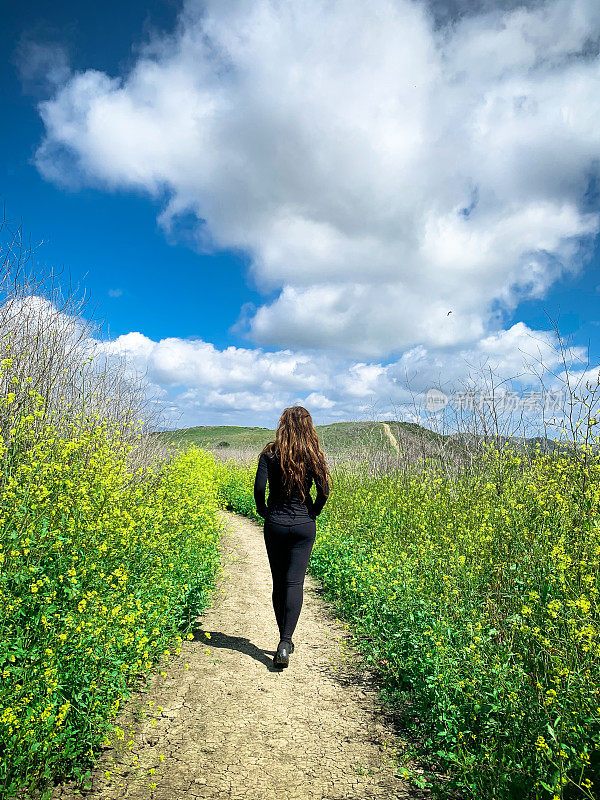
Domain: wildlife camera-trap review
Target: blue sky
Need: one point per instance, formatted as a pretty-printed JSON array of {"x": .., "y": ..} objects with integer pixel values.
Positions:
[{"x": 263, "y": 199}]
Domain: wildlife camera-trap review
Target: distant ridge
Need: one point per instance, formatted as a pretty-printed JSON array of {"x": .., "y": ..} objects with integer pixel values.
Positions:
[{"x": 358, "y": 439}]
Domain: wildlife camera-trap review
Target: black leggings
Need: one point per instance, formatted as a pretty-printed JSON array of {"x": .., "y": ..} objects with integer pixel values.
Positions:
[{"x": 289, "y": 547}]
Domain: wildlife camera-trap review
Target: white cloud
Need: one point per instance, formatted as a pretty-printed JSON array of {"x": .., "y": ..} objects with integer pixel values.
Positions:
[
  {"x": 378, "y": 169},
  {"x": 207, "y": 385},
  {"x": 319, "y": 401},
  {"x": 193, "y": 382}
]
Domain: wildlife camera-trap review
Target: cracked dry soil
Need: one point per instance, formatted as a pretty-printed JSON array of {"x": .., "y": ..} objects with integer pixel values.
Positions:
[{"x": 232, "y": 725}]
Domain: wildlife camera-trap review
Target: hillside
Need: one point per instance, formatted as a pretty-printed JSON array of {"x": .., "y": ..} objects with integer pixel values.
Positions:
[
  {"x": 340, "y": 440},
  {"x": 336, "y": 439},
  {"x": 348, "y": 441}
]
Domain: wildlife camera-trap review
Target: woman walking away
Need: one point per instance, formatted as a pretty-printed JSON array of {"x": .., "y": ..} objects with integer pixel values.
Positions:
[{"x": 291, "y": 463}]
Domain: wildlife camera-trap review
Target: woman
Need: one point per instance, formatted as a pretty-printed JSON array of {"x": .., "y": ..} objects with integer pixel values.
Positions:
[{"x": 291, "y": 463}]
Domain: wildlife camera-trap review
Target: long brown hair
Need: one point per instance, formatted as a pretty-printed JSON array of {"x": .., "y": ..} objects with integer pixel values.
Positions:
[{"x": 297, "y": 446}]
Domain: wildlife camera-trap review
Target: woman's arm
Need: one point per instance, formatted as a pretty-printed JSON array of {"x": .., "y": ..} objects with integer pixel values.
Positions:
[
  {"x": 322, "y": 495},
  {"x": 260, "y": 485}
]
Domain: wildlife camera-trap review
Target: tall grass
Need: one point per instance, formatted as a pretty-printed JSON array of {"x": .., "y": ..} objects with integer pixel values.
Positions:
[
  {"x": 108, "y": 546},
  {"x": 99, "y": 573},
  {"x": 476, "y": 601}
]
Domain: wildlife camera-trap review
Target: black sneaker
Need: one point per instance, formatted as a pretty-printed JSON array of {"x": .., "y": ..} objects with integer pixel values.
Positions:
[{"x": 282, "y": 656}]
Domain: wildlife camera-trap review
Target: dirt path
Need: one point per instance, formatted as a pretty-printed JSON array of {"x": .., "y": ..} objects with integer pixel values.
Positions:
[
  {"x": 392, "y": 439},
  {"x": 232, "y": 725}
]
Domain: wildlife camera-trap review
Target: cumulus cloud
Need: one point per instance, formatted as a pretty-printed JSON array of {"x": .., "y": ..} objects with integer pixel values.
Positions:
[
  {"x": 203, "y": 383},
  {"x": 194, "y": 382},
  {"x": 380, "y": 163}
]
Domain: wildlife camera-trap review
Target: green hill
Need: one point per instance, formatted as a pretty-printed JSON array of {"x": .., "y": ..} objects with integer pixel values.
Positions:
[
  {"x": 337, "y": 438},
  {"x": 340, "y": 440},
  {"x": 380, "y": 442}
]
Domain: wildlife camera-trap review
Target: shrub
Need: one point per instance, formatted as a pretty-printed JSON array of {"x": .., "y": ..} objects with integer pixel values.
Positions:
[{"x": 100, "y": 568}]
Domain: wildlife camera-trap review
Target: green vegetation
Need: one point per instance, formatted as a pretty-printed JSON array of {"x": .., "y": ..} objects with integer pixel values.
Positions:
[
  {"x": 473, "y": 594},
  {"x": 475, "y": 598},
  {"x": 101, "y": 568},
  {"x": 108, "y": 546}
]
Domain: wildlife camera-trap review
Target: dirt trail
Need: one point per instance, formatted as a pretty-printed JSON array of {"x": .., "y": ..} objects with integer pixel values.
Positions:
[
  {"x": 234, "y": 726},
  {"x": 391, "y": 437}
]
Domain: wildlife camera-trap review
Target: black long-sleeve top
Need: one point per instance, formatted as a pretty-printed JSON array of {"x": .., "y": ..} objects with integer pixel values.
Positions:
[{"x": 280, "y": 506}]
